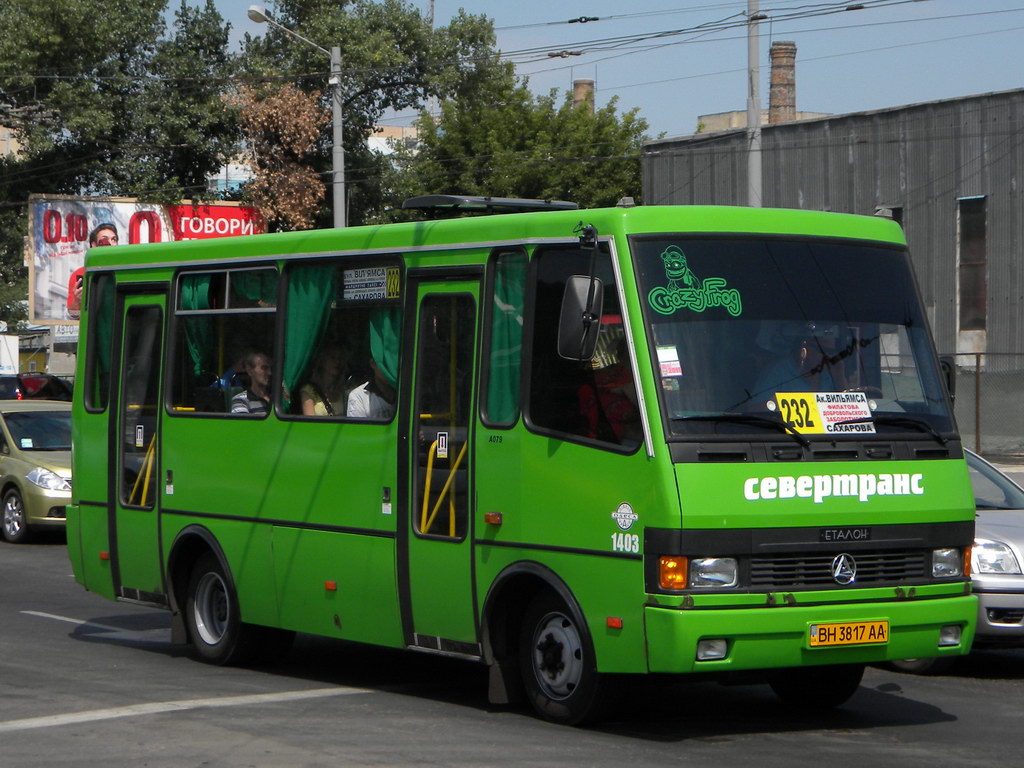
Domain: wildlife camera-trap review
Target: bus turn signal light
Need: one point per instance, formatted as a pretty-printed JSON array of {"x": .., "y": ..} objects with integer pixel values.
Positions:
[
  {"x": 672, "y": 572},
  {"x": 492, "y": 518}
]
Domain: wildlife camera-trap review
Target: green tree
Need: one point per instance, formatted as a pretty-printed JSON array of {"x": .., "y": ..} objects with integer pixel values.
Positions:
[
  {"x": 391, "y": 60},
  {"x": 506, "y": 142},
  {"x": 102, "y": 103}
]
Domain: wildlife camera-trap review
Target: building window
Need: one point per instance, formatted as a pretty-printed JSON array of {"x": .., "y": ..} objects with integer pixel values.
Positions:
[{"x": 971, "y": 263}]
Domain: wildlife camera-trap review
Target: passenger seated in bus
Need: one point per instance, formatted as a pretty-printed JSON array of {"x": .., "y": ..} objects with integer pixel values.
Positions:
[
  {"x": 805, "y": 359},
  {"x": 256, "y": 397},
  {"x": 233, "y": 376},
  {"x": 327, "y": 390},
  {"x": 375, "y": 399}
]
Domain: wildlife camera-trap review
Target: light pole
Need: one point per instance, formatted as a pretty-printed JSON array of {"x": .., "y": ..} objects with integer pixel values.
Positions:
[{"x": 259, "y": 15}]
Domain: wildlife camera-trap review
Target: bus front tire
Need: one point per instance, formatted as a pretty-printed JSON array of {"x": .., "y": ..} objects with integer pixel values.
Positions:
[
  {"x": 816, "y": 688},
  {"x": 557, "y": 664},
  {"x": 922, "y": 666}
]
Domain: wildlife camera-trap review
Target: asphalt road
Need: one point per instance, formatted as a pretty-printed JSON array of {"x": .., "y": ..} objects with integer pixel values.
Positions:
[{"x": 87, "y": 682}]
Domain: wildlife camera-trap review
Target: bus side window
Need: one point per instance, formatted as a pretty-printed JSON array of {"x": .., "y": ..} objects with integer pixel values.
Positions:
[
  {"x": 341, "y": 340},
  {"x": 504, "y": 353},
  {"x": 100, "y": 301},
  {"x": 221, "y": 318},
  {"x": 594, "y": 400}
]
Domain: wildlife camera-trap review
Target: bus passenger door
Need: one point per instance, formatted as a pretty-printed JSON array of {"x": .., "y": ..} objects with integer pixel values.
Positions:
[
  {"x": 437, "y": 580},
  {"x": 134, "y": 486}
]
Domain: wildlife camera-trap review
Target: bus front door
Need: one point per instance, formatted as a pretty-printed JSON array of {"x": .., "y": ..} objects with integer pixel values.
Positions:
[
  {"x": 438, "y": 599},
  {"x": 134, "y": 487}
]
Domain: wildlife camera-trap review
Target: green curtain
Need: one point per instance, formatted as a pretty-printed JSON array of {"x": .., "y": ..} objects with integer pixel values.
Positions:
[
  {"x": 311, "y": 291},
  {"x": 258, "y": 286},
  {"x": 385, "y": 341},
  {"x": 195, "y": 294},
  {"x": 506, "y": 338}
]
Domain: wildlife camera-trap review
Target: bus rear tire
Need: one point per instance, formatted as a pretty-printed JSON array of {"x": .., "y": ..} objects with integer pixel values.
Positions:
[
  {"x": 816, "y": 688},
  {"x": 213, "y": 616},
  {"x": 557, "y": 664}
]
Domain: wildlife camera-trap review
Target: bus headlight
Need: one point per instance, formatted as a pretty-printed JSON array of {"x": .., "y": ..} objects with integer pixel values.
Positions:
[
  {"x": 709, "y": 572},
  {"x": 947, "y": 563},
  {"x": 994, "y": 557}
]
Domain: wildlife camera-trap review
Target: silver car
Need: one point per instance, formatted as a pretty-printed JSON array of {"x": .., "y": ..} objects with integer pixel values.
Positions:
[{"x": 997, "y": 564}]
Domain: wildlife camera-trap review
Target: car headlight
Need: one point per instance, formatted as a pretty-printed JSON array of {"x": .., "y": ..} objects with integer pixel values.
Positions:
[
  {"x": 993, "y": 557},
  {"x": 51, "y": 481},
  {"x": 713, "y": 572}
]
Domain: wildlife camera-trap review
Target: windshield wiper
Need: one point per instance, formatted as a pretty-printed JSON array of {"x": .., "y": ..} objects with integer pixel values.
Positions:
[
  {"x": 749, "y": 418},
  {"x": 899, "y": 421}
]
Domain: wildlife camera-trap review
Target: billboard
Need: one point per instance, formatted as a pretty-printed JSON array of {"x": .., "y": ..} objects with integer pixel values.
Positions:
[{"x": 60, "y": 230}]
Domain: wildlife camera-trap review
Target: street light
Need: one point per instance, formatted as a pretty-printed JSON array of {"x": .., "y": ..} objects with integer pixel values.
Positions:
[{"x": 257, "y": 14}]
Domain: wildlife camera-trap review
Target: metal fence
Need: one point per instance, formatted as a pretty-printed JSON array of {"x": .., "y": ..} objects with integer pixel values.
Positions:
[{"x": 990, "y": 403}]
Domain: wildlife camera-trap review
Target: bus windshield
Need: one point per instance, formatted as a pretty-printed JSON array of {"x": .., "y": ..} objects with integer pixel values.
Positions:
[{"x": 750, "y": 332}]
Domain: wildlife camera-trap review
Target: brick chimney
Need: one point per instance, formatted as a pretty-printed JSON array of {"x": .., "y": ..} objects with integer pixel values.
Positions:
[
  {"x": 583, "y": 94},
  {"x": 782, "y": 96}
]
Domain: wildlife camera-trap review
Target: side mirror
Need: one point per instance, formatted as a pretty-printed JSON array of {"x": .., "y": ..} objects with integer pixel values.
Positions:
[
  {"x": 947, "y": 363},
  {"x": 580, "y": 319}
]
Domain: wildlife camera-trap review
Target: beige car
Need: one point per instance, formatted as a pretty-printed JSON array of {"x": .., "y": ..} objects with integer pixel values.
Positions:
[{"x": 35, "y": 466}]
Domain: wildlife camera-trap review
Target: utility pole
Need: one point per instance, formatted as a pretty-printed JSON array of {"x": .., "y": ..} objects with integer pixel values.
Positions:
[
  {"x": 753, "y": 106},
  {"x": 337, "y": 148}
]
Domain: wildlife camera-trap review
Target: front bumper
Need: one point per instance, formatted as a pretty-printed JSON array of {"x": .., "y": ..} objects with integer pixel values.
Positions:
[
  {"x": 773, "y": 637},
  {"x": 1000, "y": 618},
  {"x": 45, "y": 508}
]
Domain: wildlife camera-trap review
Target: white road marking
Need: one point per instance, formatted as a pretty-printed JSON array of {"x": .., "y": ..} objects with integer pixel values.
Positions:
[
  {"x": 159, "y": 707},
  {"x": 78, "y": 622}
]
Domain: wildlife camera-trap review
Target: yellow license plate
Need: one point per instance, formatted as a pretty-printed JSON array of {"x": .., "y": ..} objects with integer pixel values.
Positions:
[{"x": 848, "y": 633}]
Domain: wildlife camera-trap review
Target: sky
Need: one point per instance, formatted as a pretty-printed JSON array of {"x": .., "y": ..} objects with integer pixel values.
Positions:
[{"x": 887, "y": 53}]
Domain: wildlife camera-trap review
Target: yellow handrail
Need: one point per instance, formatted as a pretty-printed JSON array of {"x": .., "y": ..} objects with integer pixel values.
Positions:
[
  {"x": 147, "y": 466},
  {"x": 426, "y": 487},
  {"x": 425, "y": 521}
]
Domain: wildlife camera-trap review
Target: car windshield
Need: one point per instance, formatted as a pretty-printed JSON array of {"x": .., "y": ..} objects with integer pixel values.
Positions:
[
  {"x": 790, "y": 330},
  {"x": 992, "y": 489},
  {"x": 40, "y": 430}
]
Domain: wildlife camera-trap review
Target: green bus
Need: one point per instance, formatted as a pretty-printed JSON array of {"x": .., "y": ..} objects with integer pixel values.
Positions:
[{"x": 572, "y": 445}]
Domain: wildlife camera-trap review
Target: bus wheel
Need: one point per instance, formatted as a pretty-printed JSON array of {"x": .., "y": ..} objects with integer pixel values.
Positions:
[
  {"x": 556, "y": 660},
  {"x": 922, "y": 666},
  {"x": 15, "y": 530},
  {"x": 211, "y": 613},
  {"x": 816, "y": 687}
]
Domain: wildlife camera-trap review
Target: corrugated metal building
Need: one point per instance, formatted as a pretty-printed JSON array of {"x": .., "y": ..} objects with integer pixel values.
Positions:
[{"x": 950, "y": 171}]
